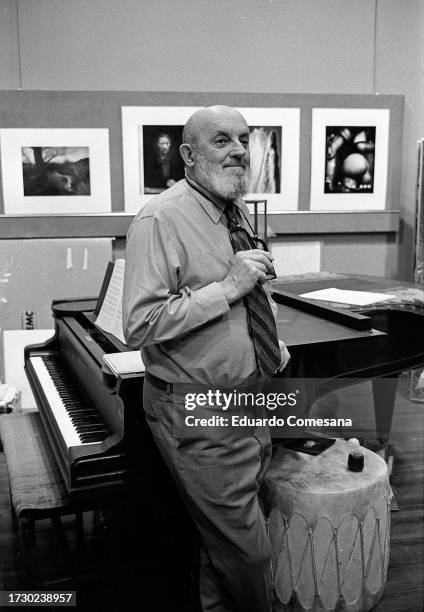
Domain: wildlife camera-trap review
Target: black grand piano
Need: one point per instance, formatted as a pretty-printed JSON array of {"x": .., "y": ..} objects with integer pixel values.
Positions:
[{"x": 93, "y": 419}]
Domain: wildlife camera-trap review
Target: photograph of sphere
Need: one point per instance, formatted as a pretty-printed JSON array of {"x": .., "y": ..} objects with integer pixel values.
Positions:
[{"x": 349, "y": 159}]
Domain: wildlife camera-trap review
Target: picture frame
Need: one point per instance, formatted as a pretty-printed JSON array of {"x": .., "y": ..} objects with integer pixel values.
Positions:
[
  {"x": 147, "y": 128},
  {"x": 142, "y": 127},
  {"x": 285, "y": 123},
  {"x": 349, "y": 158},
  {"x": 54, "y": 171}
]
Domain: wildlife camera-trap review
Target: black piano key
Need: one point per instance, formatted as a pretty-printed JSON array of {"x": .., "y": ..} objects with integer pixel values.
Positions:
[
  {"x": 74, "y": 410},
  {"x": 88, "y": 437},
  {"x": 90, "y": 429},
  {"x": 85, "y": 419},
  {"x": 81, "y": 428}
]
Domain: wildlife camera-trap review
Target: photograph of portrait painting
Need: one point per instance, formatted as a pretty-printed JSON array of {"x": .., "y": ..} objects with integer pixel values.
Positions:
[
  {"x": 162, "y": 164},
  {"x": 349, "y": 159},
  {"x": 56, "y": 171},
  {"x": 265, "y": 154}
]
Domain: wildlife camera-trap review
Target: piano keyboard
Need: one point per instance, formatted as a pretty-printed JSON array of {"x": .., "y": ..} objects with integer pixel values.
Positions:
[{"x": 79, "y": 424}]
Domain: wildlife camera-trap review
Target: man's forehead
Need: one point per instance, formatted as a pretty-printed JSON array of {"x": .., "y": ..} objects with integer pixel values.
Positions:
[
  {"x": 224, "y": 122},
  {"x": 214, "y": 119}
]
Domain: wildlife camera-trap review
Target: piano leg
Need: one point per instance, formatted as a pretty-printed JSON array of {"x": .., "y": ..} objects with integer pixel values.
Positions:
[{"x": 384, "y": 395}]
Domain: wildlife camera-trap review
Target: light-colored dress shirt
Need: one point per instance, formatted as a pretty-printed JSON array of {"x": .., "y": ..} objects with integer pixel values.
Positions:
[{"x": 178, "y": 249}]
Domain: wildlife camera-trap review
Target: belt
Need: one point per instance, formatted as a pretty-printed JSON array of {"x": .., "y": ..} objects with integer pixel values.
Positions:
[
  {"x": 176, "y": 388},
  {"x": 186, "y": 387}
]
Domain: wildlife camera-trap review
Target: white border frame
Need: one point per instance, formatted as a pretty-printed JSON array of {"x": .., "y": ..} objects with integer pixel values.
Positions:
[
  {"x": 289, "y": 121},
  {"x": 135, "y": 116},
  {"x": 11, "y": 143},
  {"x": 323, "y": 117}
]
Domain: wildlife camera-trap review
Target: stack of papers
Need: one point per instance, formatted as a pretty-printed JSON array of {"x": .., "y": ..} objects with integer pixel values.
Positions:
[
  {"x": 342, "y": 296},
  {"x": 128, "y": 362}
]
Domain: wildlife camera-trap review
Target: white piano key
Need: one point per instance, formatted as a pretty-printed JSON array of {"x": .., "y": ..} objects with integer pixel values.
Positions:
[{"x": 56, "y": 404}]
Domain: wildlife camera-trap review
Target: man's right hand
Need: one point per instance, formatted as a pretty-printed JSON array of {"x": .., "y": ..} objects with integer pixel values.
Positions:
[{"x": 248, "y": 268}]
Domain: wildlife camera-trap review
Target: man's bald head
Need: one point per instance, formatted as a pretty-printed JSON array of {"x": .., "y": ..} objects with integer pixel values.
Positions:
[
  {"x": 199, "y": 119},
  {"x": 215, "y": 150}
]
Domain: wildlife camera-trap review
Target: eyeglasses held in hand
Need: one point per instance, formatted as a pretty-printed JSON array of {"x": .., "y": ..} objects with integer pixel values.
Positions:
[{"x": 254, "y": 242}]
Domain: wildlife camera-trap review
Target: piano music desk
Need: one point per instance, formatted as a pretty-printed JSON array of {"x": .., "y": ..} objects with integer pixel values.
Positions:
[{"x": 37, "y": 490}]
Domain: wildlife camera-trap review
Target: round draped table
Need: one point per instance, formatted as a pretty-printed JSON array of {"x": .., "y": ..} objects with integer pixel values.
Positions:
[{"x": 329, "y": 529}]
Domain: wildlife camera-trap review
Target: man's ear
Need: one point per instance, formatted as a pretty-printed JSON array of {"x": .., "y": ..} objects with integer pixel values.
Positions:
[{"x": 186, "y": 153}]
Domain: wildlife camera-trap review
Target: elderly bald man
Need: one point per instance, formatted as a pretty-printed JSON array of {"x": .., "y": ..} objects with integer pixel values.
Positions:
[{"x": 184, "y": 305}]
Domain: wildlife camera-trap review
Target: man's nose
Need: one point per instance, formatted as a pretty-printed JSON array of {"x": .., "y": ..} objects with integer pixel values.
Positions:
[{"x": 238, "y": 150}]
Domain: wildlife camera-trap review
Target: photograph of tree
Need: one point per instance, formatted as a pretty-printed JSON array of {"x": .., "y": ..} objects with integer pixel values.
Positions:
[
  {"x": 56, "y": 171},
  {"x": 349, "y": 159},
  {"x": 162, "y": 162},
  {"x": 265, "y": 154},
  {"x": 58, "y": 163}
]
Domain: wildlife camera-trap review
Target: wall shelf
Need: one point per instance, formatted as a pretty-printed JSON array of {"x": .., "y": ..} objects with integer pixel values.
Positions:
[{"x": 115, "y": 225}]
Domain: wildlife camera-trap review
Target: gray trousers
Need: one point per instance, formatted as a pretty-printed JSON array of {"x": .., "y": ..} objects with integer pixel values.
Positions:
[{"x": 219, "y": 471}]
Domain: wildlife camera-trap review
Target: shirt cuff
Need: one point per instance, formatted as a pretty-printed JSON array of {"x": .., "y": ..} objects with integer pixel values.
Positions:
[{"x": 212, "y": 300}]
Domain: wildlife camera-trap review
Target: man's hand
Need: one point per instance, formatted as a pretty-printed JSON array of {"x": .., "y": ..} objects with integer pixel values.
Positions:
[
  {"x": 248, "y": 268},
  {"x": 285, "y": 356}
]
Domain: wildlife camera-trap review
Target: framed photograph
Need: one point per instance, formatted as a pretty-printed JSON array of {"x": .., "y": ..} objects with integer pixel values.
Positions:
[
  {"x": 349, "y": 158},
  {"x": 274, "y": 156},
  {"x": 151, "y": 138},
  {"x": 152, "y": 163},
  {"x": 55, "y": 170}
]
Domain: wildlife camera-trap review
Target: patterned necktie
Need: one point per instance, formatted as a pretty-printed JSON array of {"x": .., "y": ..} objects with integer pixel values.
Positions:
[{"x": 262, "y": 326}]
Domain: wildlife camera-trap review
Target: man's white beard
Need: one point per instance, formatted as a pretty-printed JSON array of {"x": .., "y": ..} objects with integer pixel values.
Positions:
[{"x": 227, "y": 183}]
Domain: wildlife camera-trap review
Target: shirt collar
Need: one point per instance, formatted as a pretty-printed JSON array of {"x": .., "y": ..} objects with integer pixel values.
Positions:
[{"x": 212, "y": 204}]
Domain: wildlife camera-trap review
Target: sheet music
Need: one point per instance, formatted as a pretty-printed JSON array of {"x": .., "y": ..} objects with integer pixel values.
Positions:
[
  {"x": 124, "y": 363},
  {"x": 342, "y": 296},
  {"x": 110, "y": 315}
]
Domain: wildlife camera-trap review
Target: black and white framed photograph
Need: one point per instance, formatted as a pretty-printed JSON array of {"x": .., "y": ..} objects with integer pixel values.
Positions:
[
  {"x": 152, "y": 136},
  {"x": 265, "y": 159},
  {"x": 55, "y": 171},
  {"x": 162, "y": 163},
  {"x": 349, "y": 158},
  {"x": 274, "y": 156}
]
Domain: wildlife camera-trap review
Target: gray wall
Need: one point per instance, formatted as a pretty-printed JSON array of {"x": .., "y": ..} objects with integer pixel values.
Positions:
[{"x": 301, "y": 46}]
